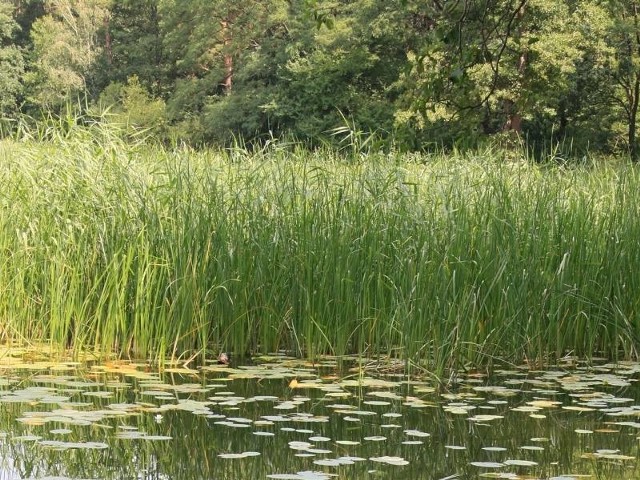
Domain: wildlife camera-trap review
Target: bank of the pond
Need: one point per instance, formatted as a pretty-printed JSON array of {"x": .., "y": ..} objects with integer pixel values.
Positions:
[{"x": 162, "y": 253}]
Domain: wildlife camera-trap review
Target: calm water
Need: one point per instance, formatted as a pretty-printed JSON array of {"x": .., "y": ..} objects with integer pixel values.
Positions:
[{"x": 285, "y": 419}]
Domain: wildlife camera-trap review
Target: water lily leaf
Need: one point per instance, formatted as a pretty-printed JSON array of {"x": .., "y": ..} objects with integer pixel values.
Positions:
[
  {"x": 485, "y": 418},
  {"x": 240, "y": 420},
  {"x": 607, "y": 456},
  {"x": 183, "y": 370},
  {"x": 27, "y": 438},
  {"x": 376, "y": 402},
  {"x": 351, "y": 419},
  {"x": 328, "y": 462},
  {"x": 286, "y": 406},
  {"x": 357, "y": 412},
  {"x": 521, "y": 463},
  {"x": 416, "y": 433},
  {"x": 544, "y": 403},
  {"x": 238, "y": 455},
  {"x": 56, "y": 445},
  {"x": 487, "y": 464},
  {"x": 577, "y": 408},
  {"x": 399, "y": 461},
  {"x": 305, "y": 475},
  {"x": 232, "y": 424},
  {"x": 295, "y": 445},
  {"x": 526, "y": 409},
  {"x": 136, "y": 435},
  {"x": 383, "y": 394},
  {"x": 318, "y": 451},
  {"x": 98, "y": 394},
  {"x": 369, "y": 383},
  {"x": 285, "y": 476}
]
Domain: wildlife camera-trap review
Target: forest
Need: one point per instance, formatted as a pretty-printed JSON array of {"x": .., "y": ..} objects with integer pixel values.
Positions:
[{"x": 396, "y": 74}]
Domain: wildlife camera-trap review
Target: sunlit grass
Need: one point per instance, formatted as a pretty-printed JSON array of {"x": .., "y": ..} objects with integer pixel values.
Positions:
[{"x": 444, "y": 261}]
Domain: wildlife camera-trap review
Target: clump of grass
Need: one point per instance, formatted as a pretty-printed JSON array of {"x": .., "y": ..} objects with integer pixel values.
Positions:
[{"x": 160, "y": 253}]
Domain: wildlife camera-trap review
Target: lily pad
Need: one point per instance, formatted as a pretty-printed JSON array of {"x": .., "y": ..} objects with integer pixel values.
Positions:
[{"x": 398, "y": 461}]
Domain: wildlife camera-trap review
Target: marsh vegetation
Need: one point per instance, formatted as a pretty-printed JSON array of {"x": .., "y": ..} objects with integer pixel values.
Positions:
[{"x": 441, "y": 261}]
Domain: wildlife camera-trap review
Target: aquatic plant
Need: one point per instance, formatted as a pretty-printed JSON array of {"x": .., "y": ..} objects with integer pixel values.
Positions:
[{"x": 440, "y": 261}]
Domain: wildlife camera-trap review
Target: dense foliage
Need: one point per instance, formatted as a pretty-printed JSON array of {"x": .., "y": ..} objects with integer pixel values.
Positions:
[
  {"x": 158, "y": 252},
  {"x": 414, "y": 73}
]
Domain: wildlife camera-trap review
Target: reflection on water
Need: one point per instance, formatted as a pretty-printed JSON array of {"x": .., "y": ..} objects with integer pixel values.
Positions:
[{"x": 287, "y": 419}]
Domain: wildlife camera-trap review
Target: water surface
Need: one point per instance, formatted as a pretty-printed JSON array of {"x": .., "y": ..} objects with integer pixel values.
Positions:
[{"x": 284, "y": 418}]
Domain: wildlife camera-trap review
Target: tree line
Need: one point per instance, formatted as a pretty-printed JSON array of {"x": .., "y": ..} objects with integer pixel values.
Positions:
[{"x": 413, "y": 74}]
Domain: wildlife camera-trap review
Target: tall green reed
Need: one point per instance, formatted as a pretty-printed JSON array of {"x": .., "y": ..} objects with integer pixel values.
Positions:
[{"x": 442, "y": 261}]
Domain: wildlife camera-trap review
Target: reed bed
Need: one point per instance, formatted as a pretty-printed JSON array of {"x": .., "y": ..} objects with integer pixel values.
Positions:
[{"x": 172, "y": 253}]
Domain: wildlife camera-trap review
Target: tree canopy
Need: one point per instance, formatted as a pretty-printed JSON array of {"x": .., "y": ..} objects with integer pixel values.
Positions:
[{"x": 415, "y": 74}]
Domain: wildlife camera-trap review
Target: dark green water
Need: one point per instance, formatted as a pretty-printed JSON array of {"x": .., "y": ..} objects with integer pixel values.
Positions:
[{"x": 126, "y": 421}]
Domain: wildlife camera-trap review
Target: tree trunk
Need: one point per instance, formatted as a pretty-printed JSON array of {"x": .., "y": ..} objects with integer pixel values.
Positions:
[
  {"x": 563, "y": 121},
  {"x": 514, "y": 117},
  {"x": 227, "y": 81},
  {"x": 634, "y": 92},
  {"x": 633, "y": 115},
  {"x": 107, "y": 40}
]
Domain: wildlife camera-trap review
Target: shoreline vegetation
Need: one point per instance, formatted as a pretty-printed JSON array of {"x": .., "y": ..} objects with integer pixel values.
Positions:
[{"x": 443, "y": 260}]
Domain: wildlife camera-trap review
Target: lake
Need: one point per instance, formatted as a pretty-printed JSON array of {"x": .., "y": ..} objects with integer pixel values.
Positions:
[{"x": 284, "y": 418}]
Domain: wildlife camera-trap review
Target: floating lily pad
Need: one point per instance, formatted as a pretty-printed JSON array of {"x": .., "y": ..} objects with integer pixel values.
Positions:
[
  {"x": 487, "y": 464},
  {"x": 319, "y": 451},
  {"x": 485, "y": 418},
  {"x": 332, "y": 462},
  {"x": 532, "y": 447},
  {"x": 56, "y": 445},
  {"x": 136, "y": 435},
  {"x": 521, "y": 463},
  {"x": 238, "y": 455},
  {"x": 27, "y": 438},
  {"x": 399, "y": 461},
  {"x": 300, "y": 445},
  {"x": 417, "y": 433},
  {"x": 608, "y": 456},
  {"x": 304, "y": 475}
]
